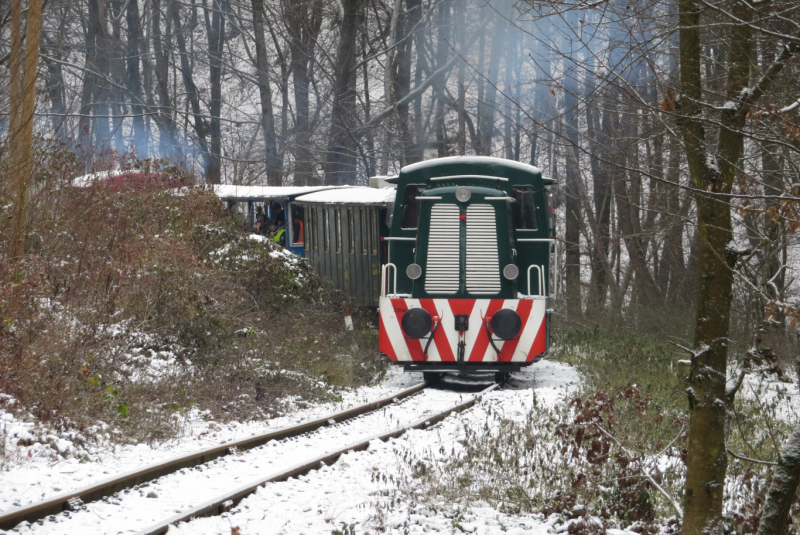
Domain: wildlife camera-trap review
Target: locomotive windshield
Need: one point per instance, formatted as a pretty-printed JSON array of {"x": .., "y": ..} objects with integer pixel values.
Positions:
[{"x": 524, "y": 209}]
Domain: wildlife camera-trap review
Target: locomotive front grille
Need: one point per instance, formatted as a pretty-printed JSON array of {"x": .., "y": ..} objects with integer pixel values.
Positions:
[
  {"x": 441, "y": 272},
  {"x": 483, "y": 265}
]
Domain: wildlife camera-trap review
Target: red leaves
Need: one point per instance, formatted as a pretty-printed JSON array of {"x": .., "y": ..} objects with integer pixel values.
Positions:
[{"x": 669, "y": 103}]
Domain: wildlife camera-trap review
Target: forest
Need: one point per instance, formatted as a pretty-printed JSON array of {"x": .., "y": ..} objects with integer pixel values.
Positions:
[
  {"x": 321, "y": 92},
  {"x": 672, "y": 130}
]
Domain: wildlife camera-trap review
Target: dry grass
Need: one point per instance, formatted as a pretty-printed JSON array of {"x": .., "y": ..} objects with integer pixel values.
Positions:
[{"x": 135, "y": 303}]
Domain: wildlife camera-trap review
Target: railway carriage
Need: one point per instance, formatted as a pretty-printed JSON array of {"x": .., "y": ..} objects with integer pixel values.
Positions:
[
  {"x": 344, "y": 232},
  {"x": 466, "y": 283},
  {"x": 270, "y": 197}
]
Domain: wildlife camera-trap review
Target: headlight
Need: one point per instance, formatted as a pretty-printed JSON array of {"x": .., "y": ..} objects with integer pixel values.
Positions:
[
  {"x": 414, "y": 271},
  {"x": 463, "y": 194},
  {"x": 511, "y": 272},
  {"x": 416, "y": 323},
  {"x": 506, "y": 324}
]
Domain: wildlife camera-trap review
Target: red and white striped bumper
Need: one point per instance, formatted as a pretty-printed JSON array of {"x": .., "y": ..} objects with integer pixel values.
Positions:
[{"x": 398, "y": 347}]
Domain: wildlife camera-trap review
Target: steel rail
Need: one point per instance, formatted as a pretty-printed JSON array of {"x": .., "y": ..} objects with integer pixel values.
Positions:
[
  {"x": 59, "y": 503},
  {"x": 225, "y": 502}
]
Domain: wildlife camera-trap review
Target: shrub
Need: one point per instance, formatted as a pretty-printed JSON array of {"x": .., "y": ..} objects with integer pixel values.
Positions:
[
  {"x": 610, "y": 455},
  {"x": 139, "y": 301}
]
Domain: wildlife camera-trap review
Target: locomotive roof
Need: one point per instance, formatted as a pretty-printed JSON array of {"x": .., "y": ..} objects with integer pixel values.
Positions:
[
  {"x": 351, "y": 195},
  {"x": 257, "y": 193},
  {"x": 472, "y": 165}
]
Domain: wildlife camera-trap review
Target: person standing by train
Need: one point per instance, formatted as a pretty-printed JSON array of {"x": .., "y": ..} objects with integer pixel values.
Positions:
[
  {"x": 261, "y": 221},
  {"x": 277, "y": 232},
  {"x": 278, "y": 214}
]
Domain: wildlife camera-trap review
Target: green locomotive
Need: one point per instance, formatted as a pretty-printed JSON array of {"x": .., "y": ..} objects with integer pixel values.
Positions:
[{"x": 467, "y": 278}]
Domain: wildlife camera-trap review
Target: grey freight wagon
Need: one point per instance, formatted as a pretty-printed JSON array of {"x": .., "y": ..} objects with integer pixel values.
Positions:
[{"x": 344, "y": 228}]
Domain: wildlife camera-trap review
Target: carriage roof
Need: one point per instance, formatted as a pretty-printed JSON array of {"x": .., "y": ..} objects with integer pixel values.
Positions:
[
  {"x": 361, "y": 195},
  {"x": 229, "y": 192}
]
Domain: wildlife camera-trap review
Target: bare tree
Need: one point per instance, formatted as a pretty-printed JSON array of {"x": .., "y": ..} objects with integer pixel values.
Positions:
[
  {"x": 23, "y": 100},
  {"x": 340, "y": 163},
  {"x": 713, "y": 165}
]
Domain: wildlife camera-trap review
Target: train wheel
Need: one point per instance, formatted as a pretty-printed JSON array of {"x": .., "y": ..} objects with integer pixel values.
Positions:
[
  {"x": 501, "y": 377},
  {"x": 431, "y": 378}
]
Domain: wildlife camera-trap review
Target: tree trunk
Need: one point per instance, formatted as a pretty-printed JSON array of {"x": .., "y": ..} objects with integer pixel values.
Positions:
[
  {"x": 706, "y": 455},
  {"x": 572, "y": 231},
  {"x": 442, "y": 51},
  {"x": 462, "y": 91},
  {"x": 572, "y": 278},
  {"x": 510, "y": 130},
  {"x": 168, "y": 142},
  {"x": 118, "y": 75},
  {"x": 599, "y": 129},
  {"x": 401, "y": 86},
  {"x": 672, "y": 262},
  {"x": 200, "y": 124},
  {"x": 631, "y": 233},
  {"x": 340, "y": 163},
  {"x": 303, "y": 21},
  {"x": 216, "y": 41},
  {"x": 783, "y": 490},
  {"x": 774, "y": 276},
  {"x": 22, "y": 121},
  {"x": 543, "y": 113},
  {"x": 368, "y": 156},
  {"x": 133, "y": 79},
  {"x": 274, "y": 165},
  {"x": 486, "y": 113},
  {"x": 54, "y": 84},
  {"x": 100, "y": 56}
]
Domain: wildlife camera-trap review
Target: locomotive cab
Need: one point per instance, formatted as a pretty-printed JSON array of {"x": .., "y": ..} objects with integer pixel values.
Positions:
[{"x": 467, "y": 277}]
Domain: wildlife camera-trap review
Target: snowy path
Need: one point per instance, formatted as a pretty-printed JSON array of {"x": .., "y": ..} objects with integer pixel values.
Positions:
[
  {"x": 143, "y": 506},
  {"x": 359, "y": 489},
  {"x": 36, "y": 472},
  {"x": 349, "y": 491}
]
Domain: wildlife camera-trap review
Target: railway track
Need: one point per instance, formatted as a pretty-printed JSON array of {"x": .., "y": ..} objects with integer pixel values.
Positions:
[
  {"x": 211, "y": 481},
  {"x": 73, "y": 500}
]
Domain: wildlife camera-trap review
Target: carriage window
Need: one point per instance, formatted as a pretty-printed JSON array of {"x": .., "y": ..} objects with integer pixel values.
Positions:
[
  {"x": 523, "y": 208},
  {"x": 338, "y": 230},
  {"x": 411, "y": 206},
  {"x": 351, "y": 231},
  {"x": 326, "y": 230},
  {"x": 374, "y": 232},
  {"x": 298, "y": 230},
  {"x": 364, "y": 237}
]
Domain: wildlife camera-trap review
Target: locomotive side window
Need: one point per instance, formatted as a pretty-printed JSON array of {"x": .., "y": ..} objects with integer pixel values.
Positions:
[
  {"x": 524, "y": 209},
  {"x": 411, "y": 206}
]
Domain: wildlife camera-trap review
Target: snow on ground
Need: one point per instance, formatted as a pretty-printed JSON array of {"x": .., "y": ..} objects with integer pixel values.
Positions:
[
  {"x": 39, "y": 463},
  {"x": 358, "y": 490}
]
